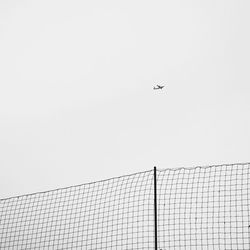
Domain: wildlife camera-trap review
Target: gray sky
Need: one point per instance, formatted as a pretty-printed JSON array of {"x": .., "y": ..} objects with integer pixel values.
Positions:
[{"x": 76, "y": 79}]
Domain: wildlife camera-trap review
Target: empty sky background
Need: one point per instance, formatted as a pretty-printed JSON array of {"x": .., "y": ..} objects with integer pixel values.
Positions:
[{"x": 76, "y": 97}]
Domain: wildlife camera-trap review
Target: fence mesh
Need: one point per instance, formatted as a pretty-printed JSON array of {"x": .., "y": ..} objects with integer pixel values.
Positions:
[
  {"x": 204, "y": 208},
  {"x": 201, "y": 208},
  {"x": 111, "y": 214}
]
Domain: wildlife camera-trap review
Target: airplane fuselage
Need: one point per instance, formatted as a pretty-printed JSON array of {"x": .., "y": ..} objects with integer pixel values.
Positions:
[{"x": 159, "y": 87}]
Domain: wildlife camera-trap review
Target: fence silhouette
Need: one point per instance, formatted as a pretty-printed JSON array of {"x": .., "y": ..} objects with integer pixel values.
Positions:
[{"x": 197, "y": 208}]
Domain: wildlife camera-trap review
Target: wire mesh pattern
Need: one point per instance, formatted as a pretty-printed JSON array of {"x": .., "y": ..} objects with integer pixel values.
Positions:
[
  {"x": 201, "y": 208},
  {"x": 204, "y": 208},
  {"x": 110, "y": 214}
]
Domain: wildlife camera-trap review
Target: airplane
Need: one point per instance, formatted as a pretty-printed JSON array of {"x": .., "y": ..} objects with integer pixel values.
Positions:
[{"x": 159, "y": 87}]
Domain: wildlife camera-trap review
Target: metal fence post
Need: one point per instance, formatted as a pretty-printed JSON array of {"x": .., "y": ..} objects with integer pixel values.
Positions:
[{"x": 155, "y": 207}]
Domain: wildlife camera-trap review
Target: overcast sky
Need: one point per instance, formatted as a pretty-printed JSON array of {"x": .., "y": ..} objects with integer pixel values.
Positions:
[{"x": 76, "y": 88}]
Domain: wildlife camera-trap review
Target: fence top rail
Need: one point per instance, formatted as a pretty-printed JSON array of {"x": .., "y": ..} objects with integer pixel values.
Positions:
[{"x": 122, "y": 176}]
